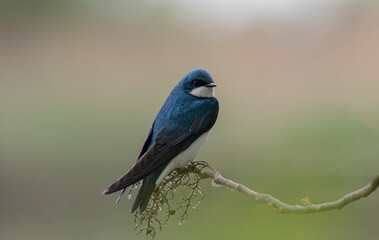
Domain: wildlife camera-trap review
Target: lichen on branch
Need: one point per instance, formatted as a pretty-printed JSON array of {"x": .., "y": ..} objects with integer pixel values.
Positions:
[{"x": 165, "y": 203}]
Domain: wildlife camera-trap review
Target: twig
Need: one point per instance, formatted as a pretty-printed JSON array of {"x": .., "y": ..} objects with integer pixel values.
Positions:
[{"x": 277, "y": 205}]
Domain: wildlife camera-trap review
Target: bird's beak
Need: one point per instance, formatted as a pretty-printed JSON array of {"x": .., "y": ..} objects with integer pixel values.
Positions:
[{"x": 211, "y": 85}]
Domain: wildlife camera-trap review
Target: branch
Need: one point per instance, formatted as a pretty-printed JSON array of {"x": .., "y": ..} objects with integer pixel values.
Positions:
[{"x": 277, "y": 205}]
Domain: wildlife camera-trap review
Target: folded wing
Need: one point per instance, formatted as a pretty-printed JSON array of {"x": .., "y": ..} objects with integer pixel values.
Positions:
[{"x": 169, "y": 142}]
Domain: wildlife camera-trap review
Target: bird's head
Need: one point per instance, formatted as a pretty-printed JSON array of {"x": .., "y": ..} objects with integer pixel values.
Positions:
[{"x": 198, "y": 83}]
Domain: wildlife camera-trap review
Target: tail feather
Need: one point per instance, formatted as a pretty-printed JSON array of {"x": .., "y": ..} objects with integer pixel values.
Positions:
[{"x": 144, "y": 194}]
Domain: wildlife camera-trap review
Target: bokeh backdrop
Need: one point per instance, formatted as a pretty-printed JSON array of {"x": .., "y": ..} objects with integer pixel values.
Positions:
[{"x": 81, "y": 82}]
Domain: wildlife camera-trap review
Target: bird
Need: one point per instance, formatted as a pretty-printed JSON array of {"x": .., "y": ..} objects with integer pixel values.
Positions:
[{"x": 175, "y": 138}]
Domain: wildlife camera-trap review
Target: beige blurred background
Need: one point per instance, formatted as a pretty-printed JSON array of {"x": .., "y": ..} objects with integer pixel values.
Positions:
[{"x": 81, "y": 81}]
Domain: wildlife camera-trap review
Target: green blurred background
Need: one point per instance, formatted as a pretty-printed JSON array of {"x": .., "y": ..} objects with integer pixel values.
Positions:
[{"x": 81, "y": 81}]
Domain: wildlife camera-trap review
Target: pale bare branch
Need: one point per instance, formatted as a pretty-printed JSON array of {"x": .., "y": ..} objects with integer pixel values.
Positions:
[{"x": 277, "y": 205}]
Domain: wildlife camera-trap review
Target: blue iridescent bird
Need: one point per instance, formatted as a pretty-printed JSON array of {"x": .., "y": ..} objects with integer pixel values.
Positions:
[{"x": 178, "y": 133}]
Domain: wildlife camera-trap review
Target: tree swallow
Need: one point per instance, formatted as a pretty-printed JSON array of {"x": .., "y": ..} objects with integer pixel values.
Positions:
[{"x": 176, "y": 136}]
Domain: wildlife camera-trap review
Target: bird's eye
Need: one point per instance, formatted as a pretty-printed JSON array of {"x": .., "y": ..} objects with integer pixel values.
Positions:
[{"x": 198, "y": 83}]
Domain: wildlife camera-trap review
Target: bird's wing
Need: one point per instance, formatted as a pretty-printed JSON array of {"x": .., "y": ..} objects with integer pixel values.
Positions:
[
  {"x": 147, "y": 141},
  {"x": 169, "y": 142},
  {"x": 145, "y": 147}
]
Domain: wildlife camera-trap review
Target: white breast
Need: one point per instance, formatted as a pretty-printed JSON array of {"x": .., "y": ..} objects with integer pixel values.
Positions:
[{"x": 184, "y": 157}]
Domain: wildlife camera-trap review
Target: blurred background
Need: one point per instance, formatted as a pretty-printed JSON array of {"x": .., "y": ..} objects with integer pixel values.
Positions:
[{"x": 81, "y": 82}]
